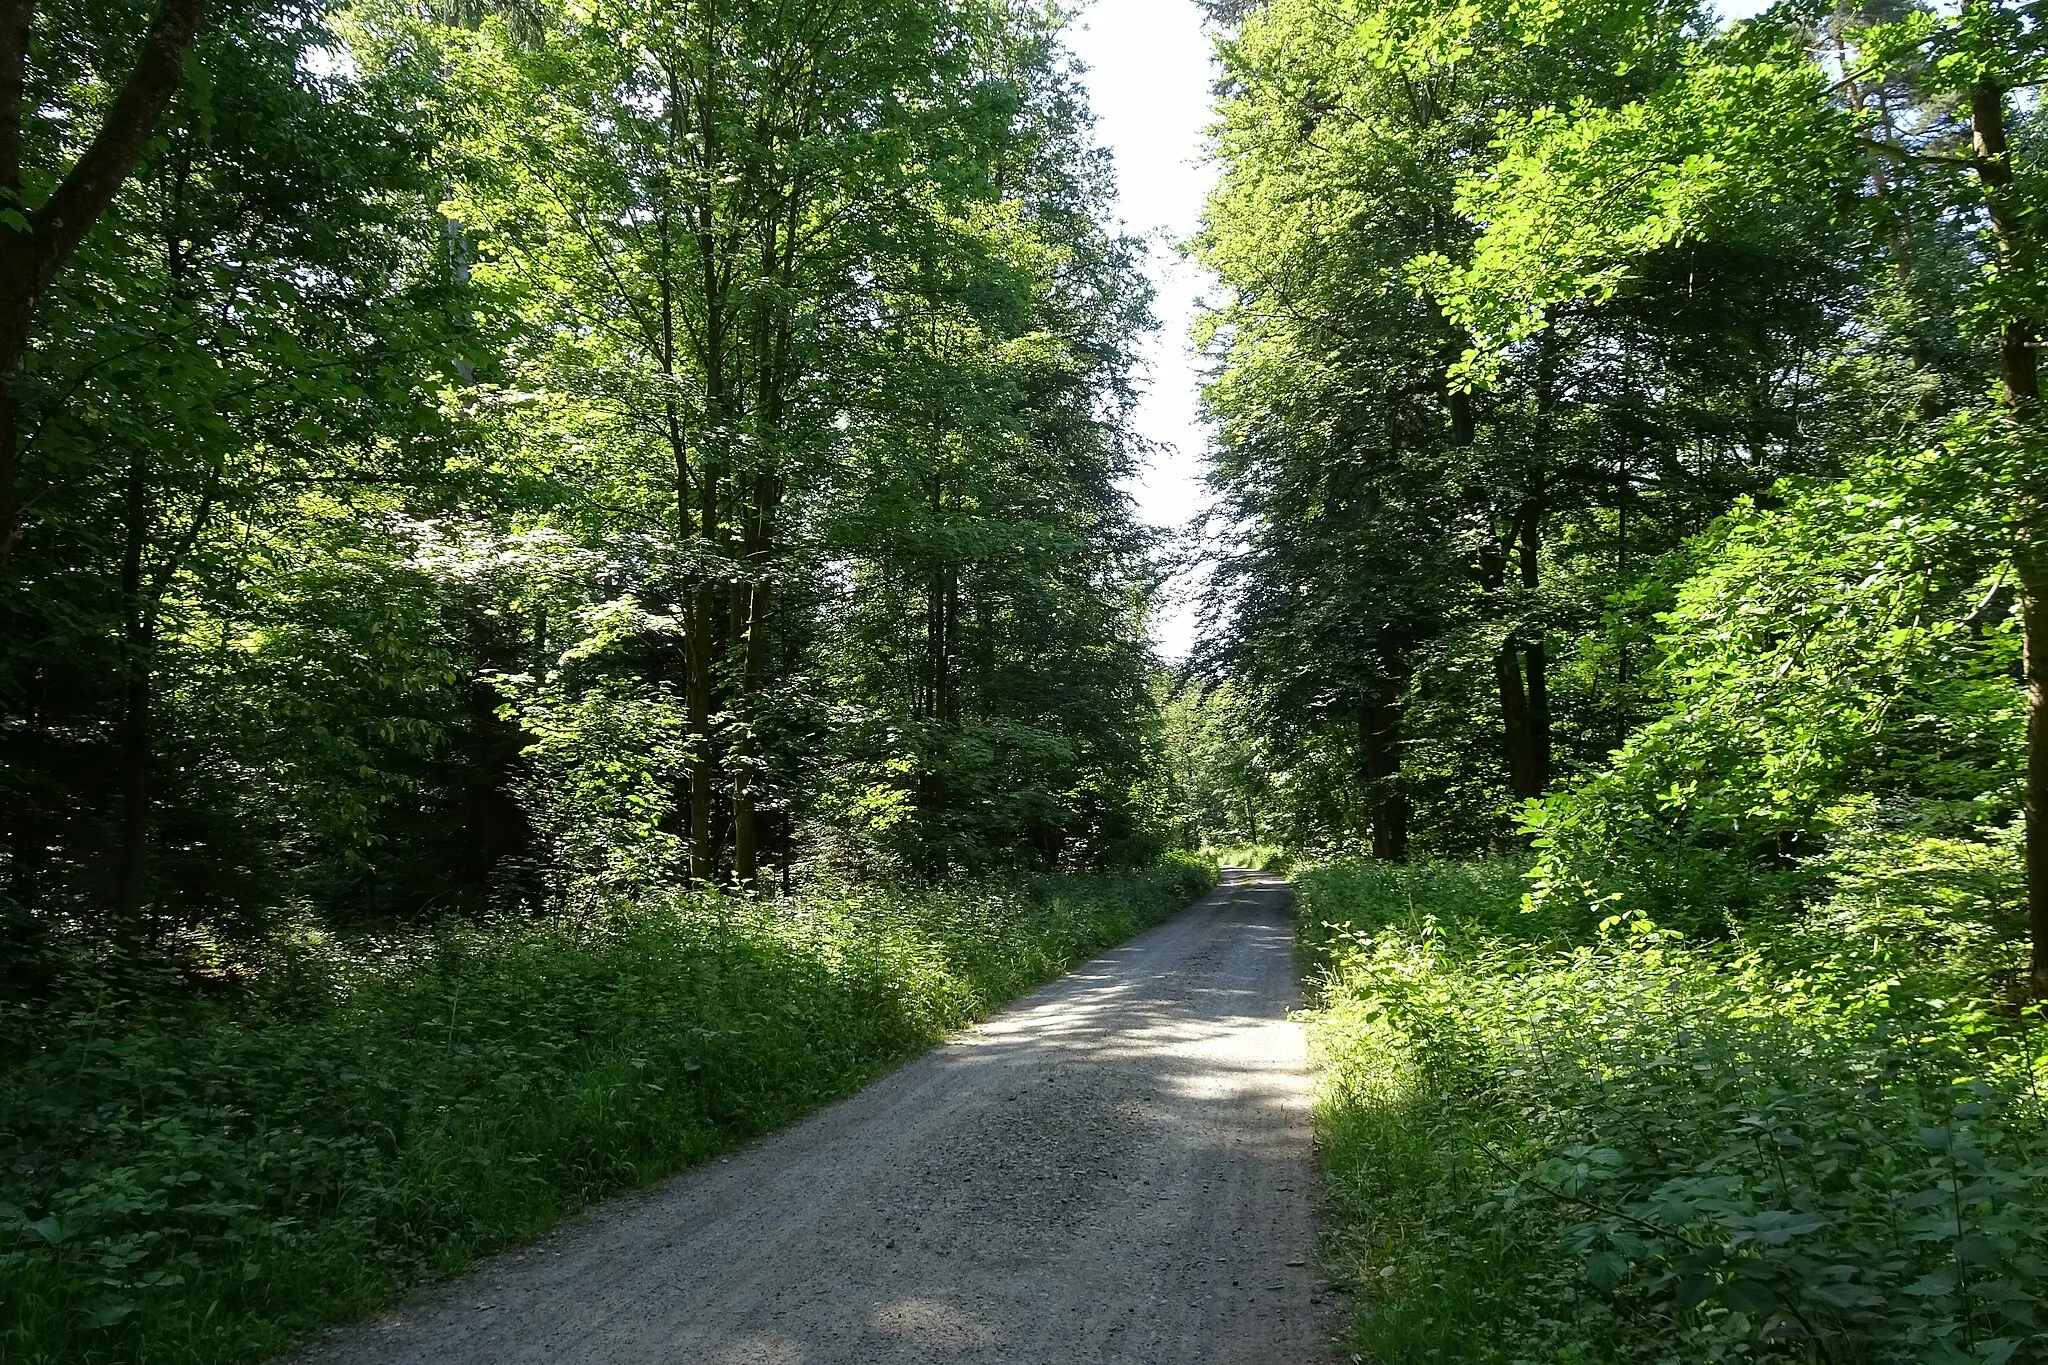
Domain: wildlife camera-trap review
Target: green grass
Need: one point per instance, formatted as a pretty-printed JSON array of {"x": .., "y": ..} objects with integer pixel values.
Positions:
[
  {"x": 1816, "y": 1140},
  {"x": 1257, "y": 857},
  {"x": 211, "y": 1181}
]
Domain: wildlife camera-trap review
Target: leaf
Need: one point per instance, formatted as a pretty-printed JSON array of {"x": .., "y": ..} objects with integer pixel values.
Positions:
[
  {"x": 1747, "y": 1295},
  {"x": 1845, "y": 1295},
  {"x": 50, "y": 1230},
  {"x": 1606, "y": 1269},
  {"x": 1974, "y": 1248},
  {"x": 1934, "y": 1283},
  {"x": 1775, "y": 1227}
]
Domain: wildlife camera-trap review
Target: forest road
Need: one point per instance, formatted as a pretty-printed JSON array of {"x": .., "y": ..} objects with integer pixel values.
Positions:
[{"x": 1114, "y": 1169}]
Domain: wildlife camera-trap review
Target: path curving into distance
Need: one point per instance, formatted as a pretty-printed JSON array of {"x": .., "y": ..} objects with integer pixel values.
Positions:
[{"x": 1115, "y": 1169}]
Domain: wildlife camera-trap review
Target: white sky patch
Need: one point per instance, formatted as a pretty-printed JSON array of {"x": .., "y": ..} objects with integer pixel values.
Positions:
[
  {"x": 1149, "y": 76},
  {"x": 1731, "y": 10}
]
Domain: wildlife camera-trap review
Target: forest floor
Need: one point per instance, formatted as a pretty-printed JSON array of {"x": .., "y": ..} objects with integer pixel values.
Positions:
[{"x": 1117, "y": 1168}]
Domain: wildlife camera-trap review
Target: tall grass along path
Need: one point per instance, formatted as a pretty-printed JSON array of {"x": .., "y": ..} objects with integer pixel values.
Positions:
[{"x": 1115, "y": 1169}]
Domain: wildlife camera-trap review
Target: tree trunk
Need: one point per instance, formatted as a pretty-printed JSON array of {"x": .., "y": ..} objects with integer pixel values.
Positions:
[
  {"x": 2033, "y": 576},
  {"x": 2020, "y": 378},
  {"x": 1535, "y": 658},
  {"x": 1514, "y": 714},
  {"x": 746, "y": 839},
  {"x": 135, "y": 739},
  {"x": 1521, "y": 665},
  {"x": 1379, "y": 744},
  {"x": 699, "y": 626},
  {"x": 14, "y": 316}
]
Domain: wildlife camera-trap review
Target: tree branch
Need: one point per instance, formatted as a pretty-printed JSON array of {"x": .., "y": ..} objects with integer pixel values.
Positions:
[
  {"x": 1914, "y": 158},
  {"x": 15, "y": 17},
  {"x": 62, "y": 221}
]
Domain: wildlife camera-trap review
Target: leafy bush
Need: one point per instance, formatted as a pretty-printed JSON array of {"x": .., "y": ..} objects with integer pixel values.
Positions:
[
  {"x": 1193, "y": 873},
  {"x": 1856, "y": 642},
  {"x": 1793, "y": 1144},
  {"x": 211, "y": 1180}
]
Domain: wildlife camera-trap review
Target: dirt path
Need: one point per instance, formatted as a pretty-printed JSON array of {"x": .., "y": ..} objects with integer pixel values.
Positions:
[{"x": 1114, "y": 1169}]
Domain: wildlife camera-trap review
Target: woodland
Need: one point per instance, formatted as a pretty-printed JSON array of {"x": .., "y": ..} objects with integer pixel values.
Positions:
[
  {"x": 567, "y": 594},
  {"x": 1629, "y": 426}
]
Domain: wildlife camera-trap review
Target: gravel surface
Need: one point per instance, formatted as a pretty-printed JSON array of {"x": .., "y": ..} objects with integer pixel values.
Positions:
[{"x": 1116, "y": 1168}]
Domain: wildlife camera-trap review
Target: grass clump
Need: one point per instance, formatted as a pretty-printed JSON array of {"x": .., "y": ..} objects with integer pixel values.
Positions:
[
  {"x": 1814, "y": 1139},
  {"x": 211, "y": 1180},
  {"x": 1257, "y": 857}
]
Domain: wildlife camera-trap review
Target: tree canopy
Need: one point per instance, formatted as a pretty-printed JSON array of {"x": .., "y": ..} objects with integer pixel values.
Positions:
[
  {"x": 500, "y": 454},
  {"x": 1632, "y": 422}
]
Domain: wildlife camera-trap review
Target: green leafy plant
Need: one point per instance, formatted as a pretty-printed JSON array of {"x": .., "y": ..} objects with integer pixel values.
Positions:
[
  {"x": 1553, "y": 1142},
  {"x": 193, "y": 1180}
]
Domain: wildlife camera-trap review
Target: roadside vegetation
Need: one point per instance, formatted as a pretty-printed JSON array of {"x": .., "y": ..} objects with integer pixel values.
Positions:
[
  {"x": 1257, "y": 857},
  {"x": 1634, "y": 424},
  {"x": 1813, "y": 1137},
  {"x": 211, "y": 1179},
  {"x": 565, "y": 596}
]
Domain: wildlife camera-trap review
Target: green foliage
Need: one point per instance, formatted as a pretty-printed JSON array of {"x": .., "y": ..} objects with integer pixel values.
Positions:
[
  {"x": 531, "y": 457},
  {"x": 1208, "y": 780},
  {"x": 210, "y": 1180},
  {"x": 1440, "y": 602},
  {"x": 1817, "y": 1141},
  {"x": 1856, "y": 644},
  {"x": 1257, "y": 857}
]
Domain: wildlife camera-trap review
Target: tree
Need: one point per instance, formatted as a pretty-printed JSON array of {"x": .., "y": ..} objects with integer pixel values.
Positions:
[
  {"x": 1756, "y": 138},
  {"x": 1415, "y": 547},
  {"x": 38, "y": 238}
]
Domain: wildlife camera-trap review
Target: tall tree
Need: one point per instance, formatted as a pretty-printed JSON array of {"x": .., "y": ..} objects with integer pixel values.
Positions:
[
  {"x": 1769, "y": 131},
  {"x": 46, "y": 207}
]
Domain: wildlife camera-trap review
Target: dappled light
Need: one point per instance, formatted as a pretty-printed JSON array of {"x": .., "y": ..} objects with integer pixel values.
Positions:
[{"x": 1115, "y": 1169}]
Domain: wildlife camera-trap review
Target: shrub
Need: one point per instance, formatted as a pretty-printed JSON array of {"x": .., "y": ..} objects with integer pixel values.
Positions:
[
  {"x": 1634, "y": 1147},
  {"x": 1257, "y": 857},
  {"x": 209, "y": 1180}
]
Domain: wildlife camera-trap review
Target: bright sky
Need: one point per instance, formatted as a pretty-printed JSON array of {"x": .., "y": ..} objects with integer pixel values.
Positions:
[
  {"x": 1149, "y": 74},
  {"x": 1148, "y": 79}
]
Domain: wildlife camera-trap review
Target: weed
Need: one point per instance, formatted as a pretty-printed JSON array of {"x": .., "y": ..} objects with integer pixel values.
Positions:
[
  {"x": 1556, "y": 1143},
  {"x": 206, "y": 1181}
]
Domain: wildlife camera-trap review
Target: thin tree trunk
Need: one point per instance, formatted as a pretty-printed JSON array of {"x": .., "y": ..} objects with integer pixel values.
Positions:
[
  {"x": 2020, "y": 376},
  {"x": 1536, "y": 660},
  {"x": 2034, "y": 637},
  {"x": 701, "y": 608},
  {"x": 698, "y": 707},
  {"x": 1519, "y": 743},
  {"x": 745, "y": 819},
  {"x": 788, "y": 827},
  {"x": 14, "y": 318},
  {"x": 1514, "y": 714},
  {"x": 135, "y": 737}
]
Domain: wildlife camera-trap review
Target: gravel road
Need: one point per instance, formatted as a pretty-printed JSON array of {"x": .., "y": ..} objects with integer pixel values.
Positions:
[{"x": 1115, "y": 1169}]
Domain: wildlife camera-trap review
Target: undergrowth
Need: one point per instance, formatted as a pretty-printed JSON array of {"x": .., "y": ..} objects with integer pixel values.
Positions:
[
  {"x": 211, "y": 1180},
  {"x": 1257, "y": 857},
  {"x": 1817, "y": 1139}
]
